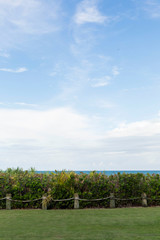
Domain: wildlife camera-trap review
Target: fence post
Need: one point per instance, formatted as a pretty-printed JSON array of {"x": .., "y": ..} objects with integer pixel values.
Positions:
[
  {"x": 112, "y": 201},
  {"x": 144, "y": 200},
  {"x": 8, "y": 201},
  {"x": 44, "y": 203},
  {"x": 76, "y": 201}
]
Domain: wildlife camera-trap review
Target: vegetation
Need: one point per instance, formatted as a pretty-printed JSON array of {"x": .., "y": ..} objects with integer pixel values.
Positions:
[
  {"x": 92, "y": 224},
  {"x": 28, "y": 185}
]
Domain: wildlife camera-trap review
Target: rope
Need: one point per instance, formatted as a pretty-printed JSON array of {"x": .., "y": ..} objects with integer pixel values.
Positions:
[
  {"x": 79, "y": 199},
  {"x": 2, "y": 198},
  {"x": 156, "y": 199},
  {"x": 127, "y": 199},
  {"x": 61, "y": 200},
  {"x": 92, "y": 200},
  {"x": 24, "y": 201}
]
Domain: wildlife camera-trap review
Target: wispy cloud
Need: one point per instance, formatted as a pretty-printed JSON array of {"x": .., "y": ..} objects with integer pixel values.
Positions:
[
  {"x": 93, "y": 72},
  {"x": 19, "y": 19},
  {"x": 19, "y": 70},
  {"x": 152, "y": 8},
  {"x": 23, "y": 104},
  {"x": 105, "y": 104},
  {"x": 115, "y": 71},
  {"x": 20, "y": 104},
  {"x": 87, "y": 12},
  {"x": 31, "y": 17},
  {"x": 4, "y": 54},
  {"x": 101, "y": 82}
]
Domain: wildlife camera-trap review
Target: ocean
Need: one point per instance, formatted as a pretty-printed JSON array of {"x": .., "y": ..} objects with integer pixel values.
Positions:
[{"x": 109, "y": 172}]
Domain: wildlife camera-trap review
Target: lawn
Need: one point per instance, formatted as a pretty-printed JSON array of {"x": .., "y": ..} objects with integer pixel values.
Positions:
[{"x": 86, "y": 224}]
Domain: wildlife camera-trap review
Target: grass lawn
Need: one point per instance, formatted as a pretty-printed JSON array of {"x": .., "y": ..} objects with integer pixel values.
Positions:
[{"x": 90, "y": 224}]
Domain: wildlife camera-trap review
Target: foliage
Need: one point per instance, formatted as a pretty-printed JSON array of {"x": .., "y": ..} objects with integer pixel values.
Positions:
[{"x": 29, "y": 185}]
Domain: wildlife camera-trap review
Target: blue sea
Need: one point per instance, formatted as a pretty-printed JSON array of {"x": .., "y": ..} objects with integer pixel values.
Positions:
[{"x": 109, "y": 172}]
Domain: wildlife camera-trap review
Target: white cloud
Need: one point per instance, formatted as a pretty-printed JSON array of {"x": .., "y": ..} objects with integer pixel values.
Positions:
[
  {"x": 140, "y": 128},
  {"x": 64, "y": 139},
  {"x": 115, "y": 71},
  {"x": 26, "y": 124},
  {"x": 105, "y": 104},
  {"x": 30, "y": 17},
  {"x": 4, "y": 54},
  {"x": 152, "y": 7},
  {"x": 19, "y": 70},
  {"x": 87, "y": 12},
  {"x": 56, "y": 136},
  {"x": 19, "y": 19},
  {"x": 101, "y": 82},
  {"x": 23, "y": 104},
  {"x": 20, "y": 104}
]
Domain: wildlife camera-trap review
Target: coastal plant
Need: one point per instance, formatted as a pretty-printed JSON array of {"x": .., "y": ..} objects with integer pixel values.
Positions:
[{"x": 30, "y": 185}]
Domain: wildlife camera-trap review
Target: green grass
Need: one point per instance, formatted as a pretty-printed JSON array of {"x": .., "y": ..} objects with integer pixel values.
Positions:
[{"x": 90, "y": 224}]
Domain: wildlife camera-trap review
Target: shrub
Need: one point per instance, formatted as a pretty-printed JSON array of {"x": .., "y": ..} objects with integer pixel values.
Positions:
[{"x": 29, "y": 185}]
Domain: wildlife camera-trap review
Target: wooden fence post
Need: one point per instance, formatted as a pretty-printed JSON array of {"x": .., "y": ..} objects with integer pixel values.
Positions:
[
  {"x": 112, "y": 201},
  {"x": 144, "y": 200},
  {"x": 8, "y": 201},
  {"x": 44, "y": 203},
  {"x": 76, "y": 201}
]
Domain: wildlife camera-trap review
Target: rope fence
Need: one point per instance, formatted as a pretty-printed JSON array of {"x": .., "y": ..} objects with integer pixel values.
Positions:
[
  {"x": 76, "y": 200},
  {"x": 24, "y": 201}
]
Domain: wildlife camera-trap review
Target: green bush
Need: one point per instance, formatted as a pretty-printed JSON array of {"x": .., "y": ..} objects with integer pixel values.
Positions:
[{"x": 28, "y": 185}]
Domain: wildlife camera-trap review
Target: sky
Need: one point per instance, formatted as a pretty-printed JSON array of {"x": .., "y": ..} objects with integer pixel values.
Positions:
[{"x": 80, "y": 84}]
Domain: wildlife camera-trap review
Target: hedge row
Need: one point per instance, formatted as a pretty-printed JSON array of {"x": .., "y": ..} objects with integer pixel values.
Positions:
[{"x": 29, "y": 185}]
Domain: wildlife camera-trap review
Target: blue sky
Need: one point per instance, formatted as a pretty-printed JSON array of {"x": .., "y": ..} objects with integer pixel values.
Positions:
[{"x": 79, "y": 84}]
